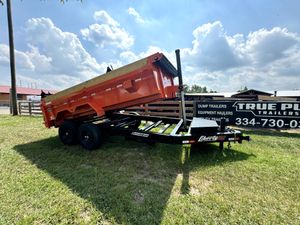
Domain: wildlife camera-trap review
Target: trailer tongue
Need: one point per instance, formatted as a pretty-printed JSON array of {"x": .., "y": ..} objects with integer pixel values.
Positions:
[{"x": 88, "y": 110}]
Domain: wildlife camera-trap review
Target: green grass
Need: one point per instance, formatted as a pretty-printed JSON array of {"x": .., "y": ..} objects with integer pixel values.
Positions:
[{"x": 125, "y": 182}]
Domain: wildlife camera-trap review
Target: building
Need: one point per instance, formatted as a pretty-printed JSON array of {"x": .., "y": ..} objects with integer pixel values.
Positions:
[
  {"x": 288, "y": 94},
  {"x": 22, "y": 93},
  {"x": 251, "y": 94},
  {"x": 201, "y": 96}
]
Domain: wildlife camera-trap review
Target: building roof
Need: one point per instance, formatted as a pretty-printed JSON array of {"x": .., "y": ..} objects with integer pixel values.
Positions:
[
  {"x": 251, "y": 92},
  {"x": 219, "y": 94},
  {"x": 24, "y": 91},
  {"x": 294, "y": 93}
]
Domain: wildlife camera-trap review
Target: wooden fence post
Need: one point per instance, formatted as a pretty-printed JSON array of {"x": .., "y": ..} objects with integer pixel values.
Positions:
[
  {"x": 29, "y": 107},
  {"x": 20, "y": 109},
  {"x": 146, "y": 109},
  {"x": 180, "y": 108}
]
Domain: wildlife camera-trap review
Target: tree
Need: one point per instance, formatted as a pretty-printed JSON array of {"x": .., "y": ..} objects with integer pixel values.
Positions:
[
  {"x": 196, "y": 89},
  {"x": 186, "y": 88},
  {"x": 243, "y": 89}
]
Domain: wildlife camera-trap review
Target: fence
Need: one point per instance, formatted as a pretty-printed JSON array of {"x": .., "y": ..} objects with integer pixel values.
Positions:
[
  {"x": 161, "y": 108},
  {"x": 4, "y": 103},
  {"x": 30, "y": 108},
  {"x": 164, "y": 108}
]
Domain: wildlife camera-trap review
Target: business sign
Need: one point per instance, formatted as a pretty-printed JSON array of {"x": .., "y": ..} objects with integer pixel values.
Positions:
[{"x": 263, "y": 114}]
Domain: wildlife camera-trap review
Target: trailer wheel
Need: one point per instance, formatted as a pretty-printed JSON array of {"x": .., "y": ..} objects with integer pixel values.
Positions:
[
  {"x": 67, "y": 133},
  {"x": 89, "y": 136}
]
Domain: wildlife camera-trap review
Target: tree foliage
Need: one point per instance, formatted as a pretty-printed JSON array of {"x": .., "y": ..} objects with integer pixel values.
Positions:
[
  {"x": 196, "y": 89},
  {"x": 243, "y": 89}
]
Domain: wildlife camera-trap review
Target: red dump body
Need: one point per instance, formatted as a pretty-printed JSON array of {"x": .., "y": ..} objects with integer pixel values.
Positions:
[{"x": 143, "y": 81}]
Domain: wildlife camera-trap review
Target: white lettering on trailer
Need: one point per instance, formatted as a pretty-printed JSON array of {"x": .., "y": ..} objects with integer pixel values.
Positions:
[
  {"x": 208, "y": 138},
  {"x": 139, "y": 134},
  {"x": 250, "y": 106},
  {"x": 256, "y": 106},
  {"x": 166, "y": 82},
  {"x": 273, "y": 109},
  {"x": 292, "y": 106}
]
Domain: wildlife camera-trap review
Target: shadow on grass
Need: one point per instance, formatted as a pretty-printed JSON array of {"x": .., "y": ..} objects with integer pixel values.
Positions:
[{"x": 128, "y": 182}]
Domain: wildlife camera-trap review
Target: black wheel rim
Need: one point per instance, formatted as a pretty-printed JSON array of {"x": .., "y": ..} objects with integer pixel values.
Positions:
[
  {"x": 66, "y": 134},
  {"x": 87, "y": 138}
]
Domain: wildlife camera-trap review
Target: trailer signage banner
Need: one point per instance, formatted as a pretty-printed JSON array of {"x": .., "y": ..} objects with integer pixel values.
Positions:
[{"x": 251, "y": 113}]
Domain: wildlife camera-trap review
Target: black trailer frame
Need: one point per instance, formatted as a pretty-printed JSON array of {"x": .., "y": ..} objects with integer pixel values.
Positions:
[
  {"x": 149, "y": 129},
  {"x": 172, "y": 130}
]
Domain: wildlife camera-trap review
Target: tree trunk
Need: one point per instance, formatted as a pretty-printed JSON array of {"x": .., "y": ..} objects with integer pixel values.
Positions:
[{"x": 12, "y": 59}]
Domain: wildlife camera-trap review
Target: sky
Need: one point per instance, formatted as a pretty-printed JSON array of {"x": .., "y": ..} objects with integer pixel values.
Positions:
[{"x": 225, "y": 45}]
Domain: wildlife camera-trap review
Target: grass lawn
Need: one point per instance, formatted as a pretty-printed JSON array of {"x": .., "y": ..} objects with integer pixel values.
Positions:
[{"x": 125, "y": 182}]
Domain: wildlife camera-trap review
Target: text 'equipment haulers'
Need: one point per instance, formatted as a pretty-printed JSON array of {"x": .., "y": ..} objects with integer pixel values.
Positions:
[{"x": 144, "y": 81}]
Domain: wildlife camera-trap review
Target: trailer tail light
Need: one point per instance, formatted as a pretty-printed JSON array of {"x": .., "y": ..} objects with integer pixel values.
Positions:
[
  {"x": 189, "y": 142},
  {"x": 221, "y": 138}
]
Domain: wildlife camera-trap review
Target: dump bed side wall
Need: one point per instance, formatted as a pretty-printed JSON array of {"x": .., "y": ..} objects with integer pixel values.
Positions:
[
  {"x": 99, "y": 79},
  {"x": 140, "y": 83}
]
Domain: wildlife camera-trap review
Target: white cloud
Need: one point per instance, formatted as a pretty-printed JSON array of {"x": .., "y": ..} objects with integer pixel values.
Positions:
[
  {"x": 21, "y": 58},
  {"x": 107, "y": 32},
  {"x": 211, "y": 49},
  {"x": 131, "y": 11},
  {"x": 265, "y": 46},
  {"x": 55, "y": 59},
  {"x": 128, "y": 56},
  {"x": 264, "y": 59},
  {"x": 104, "y": 18},
  {"x": 64, "y": 49}
]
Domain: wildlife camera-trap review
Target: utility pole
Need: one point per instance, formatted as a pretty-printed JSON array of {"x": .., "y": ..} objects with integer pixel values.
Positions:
[{"x": 12, "y": 60}]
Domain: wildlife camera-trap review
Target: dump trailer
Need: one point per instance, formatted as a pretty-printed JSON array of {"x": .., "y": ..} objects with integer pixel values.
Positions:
[
  {"x": 89, "y": 111},
  {"x": 144, "y": 81}
]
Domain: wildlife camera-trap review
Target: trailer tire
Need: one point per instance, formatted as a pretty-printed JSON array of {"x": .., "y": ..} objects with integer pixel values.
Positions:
[
  {"x": 89, "y": 136},
  {"x": 67, "y": 133}
]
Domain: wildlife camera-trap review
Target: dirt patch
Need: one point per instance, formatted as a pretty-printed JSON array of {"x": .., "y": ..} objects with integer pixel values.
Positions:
[{"x": 139, "y": 197}]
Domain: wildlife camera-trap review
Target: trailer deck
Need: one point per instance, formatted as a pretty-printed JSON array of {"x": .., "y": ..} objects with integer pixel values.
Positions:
[{"x": 172, "y": 130}]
